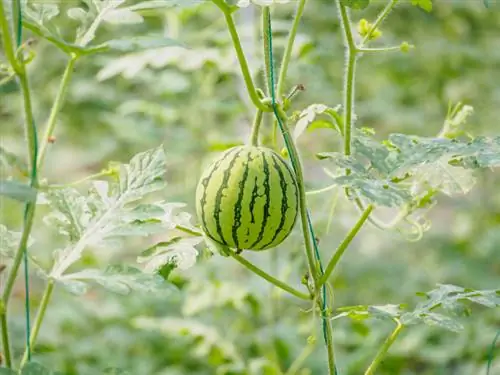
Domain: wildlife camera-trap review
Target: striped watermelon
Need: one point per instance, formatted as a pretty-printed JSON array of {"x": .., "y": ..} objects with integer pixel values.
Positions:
[{"x": 247, "y": 199}]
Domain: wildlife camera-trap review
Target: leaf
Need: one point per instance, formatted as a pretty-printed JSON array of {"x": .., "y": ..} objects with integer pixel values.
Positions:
[
  {"x": 115, "y": 371},
  {"x": 308, "y": 115},
  {"x": 6, "y": 371},
  {"x": 18, "y": 191},
  {"x": 179, "y": 251},
  {"x": 156, "y": 4},
  {"x": 361, "y": 312},
  {"x": 424, "y": 4},
  {"x": 117, "y": 279},
  {"x": 33, "y": 368},
  {"x": 355, "y": 4},
  {"x": 137, "y": 43},
  {"x": 450, "y": 298},
  {"x": 111, "y": 210},
  {"x": 10, "y": 160},
  {"x": 205, "y": 339},
  {"x": 122, "y": 16},
  {"x": 423, "y": 164},
  {"x": 265, "y": 3}
]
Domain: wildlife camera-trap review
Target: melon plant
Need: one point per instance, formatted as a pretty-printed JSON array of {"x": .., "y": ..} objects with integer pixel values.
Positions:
[{"x": 247, "y": 199}]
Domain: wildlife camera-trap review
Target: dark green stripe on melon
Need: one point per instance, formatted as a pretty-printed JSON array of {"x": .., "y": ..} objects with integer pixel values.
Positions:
[{"x": 248, "y": 199}]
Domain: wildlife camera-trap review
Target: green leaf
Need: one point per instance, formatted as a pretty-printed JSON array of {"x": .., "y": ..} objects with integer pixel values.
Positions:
[
  {"x": 33, "y": 368},
  {"x": 115, "y": 371},
  {"x": 308, "y": 115},
  {"x": 117, "y": 279},
  {"x": 157, "y": 4},
  {"x": 135, "y": 44},
  {"x": 204, "y": 339},
  {"x": 12, "y": 161},
  {"x": 422, "y": 164},
  {"x": 111, "y": 211},
  {"x": 18, "y": 191},
  {"x": 361, "y": 312},
  {"x": 6, "y": 371},
  {"x": 450, "y": 298},
  {"x": 265, "y": 3},
  {"x": 424, "y": 4},
  {"x": 179, "y": 251},
  {"x": 355, "y": 4}
]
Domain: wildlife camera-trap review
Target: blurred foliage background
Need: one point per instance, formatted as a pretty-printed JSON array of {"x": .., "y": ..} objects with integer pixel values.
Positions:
[{"x": 225, "y": 320}]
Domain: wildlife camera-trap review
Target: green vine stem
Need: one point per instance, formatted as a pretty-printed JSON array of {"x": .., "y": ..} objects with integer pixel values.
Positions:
[
  {"x": 19, "y": 67},
  {"x": 254, "y": 136},
  {"x": 384, "y": 349},
  {"x": 351, "y": 56},
  {"x": 269, "y": 278},
  {"x": 56, "y": 107},
  {"x": 266, "y": 15},
  {"x": 343, "y": 246},
  {"x": 252, "y": 91},
  {"x": 289, "y": 47},
  {"x": 39, "y": 319}
]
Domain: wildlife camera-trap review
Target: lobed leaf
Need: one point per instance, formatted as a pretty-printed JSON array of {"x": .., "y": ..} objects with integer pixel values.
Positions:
[{"x": 118, "y": 279}]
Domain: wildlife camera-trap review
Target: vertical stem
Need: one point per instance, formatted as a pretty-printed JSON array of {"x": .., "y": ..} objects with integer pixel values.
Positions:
[
  {"x": 39, "y": 319},
  {"x": 289, "y": 46},
  {"x": 31, "y": 136},
  {"x": 254, "y": 137},
  {"x": 6, "y": 38},
  {"x": 252, "y": 92},
  {"x": 5, "y": 338},
  {"x": 383, "y": 350},
  {"x": 56, "y": 107},
  {"x": 266, "y": 15},
  {"x": 350, "y": 75}
]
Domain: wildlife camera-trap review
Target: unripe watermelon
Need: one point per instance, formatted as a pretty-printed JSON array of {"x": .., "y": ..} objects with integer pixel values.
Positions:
[{"x": 247, "y": 199}]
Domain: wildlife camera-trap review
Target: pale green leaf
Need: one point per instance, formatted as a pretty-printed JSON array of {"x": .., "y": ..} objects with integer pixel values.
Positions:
[
  {"x": 110, "y": 212},
  {"x": 18, "y": 191},
  {"x": 118, "y": 279},
  {"x": 122, "y": 16},
  {"x": 179, "y": 251}
]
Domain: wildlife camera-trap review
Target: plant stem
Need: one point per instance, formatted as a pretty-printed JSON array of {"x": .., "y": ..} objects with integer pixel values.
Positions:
[
  {"x": 5, "y": 337},
  {"x": 266, "y": 15},
  {"x": 379, "y": 20},
  {"x": 252, "y": 92},
  {"x": 31, "y": 136},
  {"x": 6, "y": 39},
  {"x": 289, "y": 47},
  {"x": 269, "y": 278},
  {"x": 381, "y": 49},
  {"x": 254, "y": 137},
  {"x": 343, "y": 246},
  {"x": 56, "y": 107},
  {"x": 349, "y": 78},
  {"x": 383, "y": 350},
  {"x": 39, "y": 318}
]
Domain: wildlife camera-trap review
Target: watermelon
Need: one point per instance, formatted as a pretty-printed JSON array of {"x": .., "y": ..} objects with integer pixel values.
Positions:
[{"x": 247, "y": 199}]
